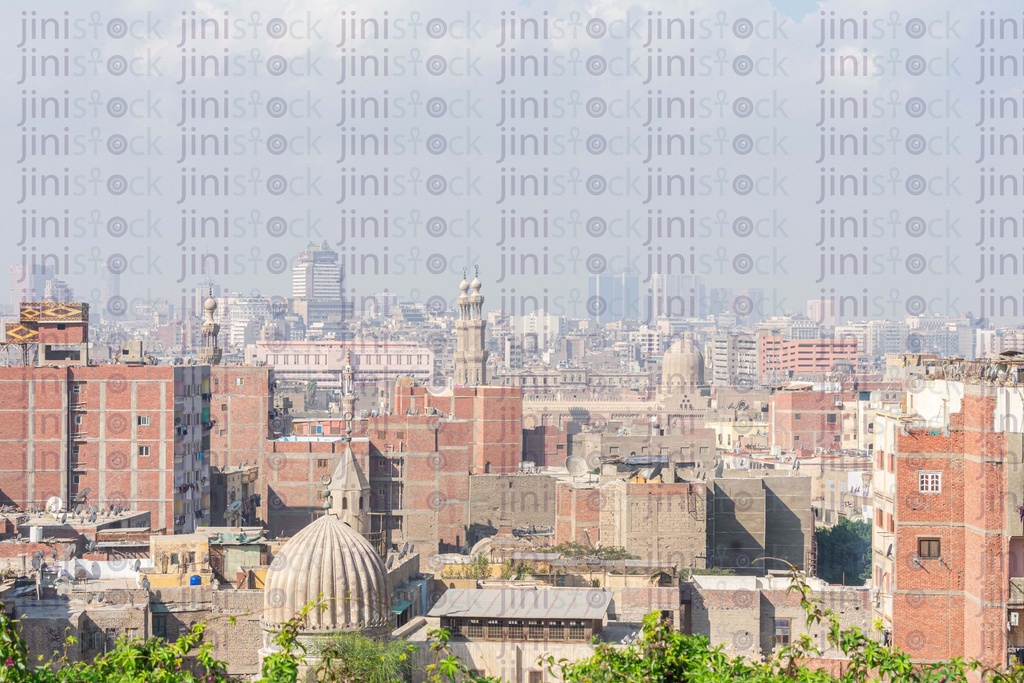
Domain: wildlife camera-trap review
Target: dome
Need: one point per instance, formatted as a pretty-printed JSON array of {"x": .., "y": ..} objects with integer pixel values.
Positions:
[
  {"x": 682, "y": 365},
  {"x": 210, "y": 304},
  {"x": 328, "y": 557}
]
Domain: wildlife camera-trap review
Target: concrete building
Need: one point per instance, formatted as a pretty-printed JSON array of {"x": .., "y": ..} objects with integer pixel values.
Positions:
[
  {"x": 318, "y": 285},
  {"x": 734, "y": 360},
  {"x": 757, "y": 616},
  {"x": 324, "y": 361},
  {"x": 28, "y": 283},
  {"x": 780, "y": 359}
]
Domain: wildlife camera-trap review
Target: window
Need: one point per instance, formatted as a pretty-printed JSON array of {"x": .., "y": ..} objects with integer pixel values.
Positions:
[
  {"x": 494, "y": 630},
  {"x": 782, "y": 632},
  {"x": 223, "y": 406},
  {"x": 535, "y": 677},
  {"x": 319, "y": 429},
  {"x": 78, "y": 420},
  {"x": 143, "y": 450},
  {"x": 556, "y": 631},
  {"x": 929, "y": 482},
  {"x": 142, "y": 420},
  {"x": 76, "y": 479},
  {"x": 577, "y": 631},
  {"x": 239, "y": 381},
  {"x": 535, "y": 630},
  {"x": 796, "y": 416},
  {"x": 830, "y": 419},
  {"x": 515, "y": 630},
  {"x": 929, "y": 547},
  {"x": 321, "y": 464},
  {"x": 475, "y": 629},
  {"x": 76, "y": 388},
  {"x": 75, "y": 449},
  {"x": 160, "y": 625}
]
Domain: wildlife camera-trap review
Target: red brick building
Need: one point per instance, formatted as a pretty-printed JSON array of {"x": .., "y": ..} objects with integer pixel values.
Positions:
[
  {"x": 948, "y": 540},
  {"x": 807, "y": 420},
  {"x": 114, "y": 435}
]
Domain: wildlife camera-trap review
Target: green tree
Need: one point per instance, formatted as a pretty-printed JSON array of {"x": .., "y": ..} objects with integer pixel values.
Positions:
[
  {"x": 578, "y": 550},
  {"x": 352, "y": 658},
  {"x": 844, "y": 552}
]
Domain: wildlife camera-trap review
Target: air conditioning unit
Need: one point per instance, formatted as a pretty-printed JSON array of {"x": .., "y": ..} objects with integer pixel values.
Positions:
[{"x": 1014, "y": 618}]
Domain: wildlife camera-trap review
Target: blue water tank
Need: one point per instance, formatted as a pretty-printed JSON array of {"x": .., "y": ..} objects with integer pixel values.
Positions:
[{"x": 195, "y": 580}]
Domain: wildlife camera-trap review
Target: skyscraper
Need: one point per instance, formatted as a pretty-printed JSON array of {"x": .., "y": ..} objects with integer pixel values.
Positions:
[
  {"x": 612, "y": 297},
  {"x": 28, "y": 283},
  {"x": 318, "y": 285}
]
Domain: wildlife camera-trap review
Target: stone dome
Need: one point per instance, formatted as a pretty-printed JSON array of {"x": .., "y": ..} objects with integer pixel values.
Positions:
[
  {"x": 682, "y": 366},
  {"x": 210, "y": 304},
  {"x": 328, "y": 557}
]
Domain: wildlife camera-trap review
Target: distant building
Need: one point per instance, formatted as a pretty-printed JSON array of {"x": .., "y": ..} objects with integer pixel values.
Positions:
[
  {"x": 318, "y": 285},
  {"x": 28, "y": 283}
]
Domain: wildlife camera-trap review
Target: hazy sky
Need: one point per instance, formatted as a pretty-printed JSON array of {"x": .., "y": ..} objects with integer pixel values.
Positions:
[{"x": 734, "y": 149}]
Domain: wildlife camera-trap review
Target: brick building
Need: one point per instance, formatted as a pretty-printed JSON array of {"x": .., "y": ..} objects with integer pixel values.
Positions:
[
  {"x": 947, "y": 541},
  {"x": 132, "y": 436}
]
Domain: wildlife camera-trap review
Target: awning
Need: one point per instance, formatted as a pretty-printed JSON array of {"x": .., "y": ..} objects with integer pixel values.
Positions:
[{"x": 401, "y": 606}]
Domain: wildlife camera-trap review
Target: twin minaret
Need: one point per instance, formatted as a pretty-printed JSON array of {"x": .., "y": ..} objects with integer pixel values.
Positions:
[{"x": 470, "y": 329}]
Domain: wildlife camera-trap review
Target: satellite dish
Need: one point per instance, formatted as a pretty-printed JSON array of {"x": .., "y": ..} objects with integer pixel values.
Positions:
[
  {"x": 405, "y": 548},
  {"x": 117, "y": 509},
  {"x": 390, "y": 563},
  {"x": 83, "y": 493},
  {"x": 54, "y": 504},
  {"x": 576, "y": 465},
  {"x": 36, "y": 562},
  {"x": 99, "y": 597},
  {"x": 138, "y": 563},
  {"x": 234, "y": 508},
  {"x": 92, "y": 517},
  {"x": 92, "y": 546},
  {"x": 63, "y": 520},
  {"x": 78, "y": 510},
  {"x": 93, "y": 510},
  {"x": 145, "y": 583}
]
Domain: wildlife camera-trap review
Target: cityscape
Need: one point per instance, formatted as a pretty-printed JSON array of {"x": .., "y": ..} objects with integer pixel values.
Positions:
[{"x": 649, "y": 349}]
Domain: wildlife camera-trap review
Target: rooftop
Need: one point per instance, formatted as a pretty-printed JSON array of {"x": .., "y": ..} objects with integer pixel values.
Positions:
[{"x": 513, "y": 603}]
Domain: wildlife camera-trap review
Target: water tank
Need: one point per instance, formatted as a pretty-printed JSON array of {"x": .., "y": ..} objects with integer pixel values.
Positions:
[
  {"x": 195, "y": 580},
  {"x": 35, "y": 534}
]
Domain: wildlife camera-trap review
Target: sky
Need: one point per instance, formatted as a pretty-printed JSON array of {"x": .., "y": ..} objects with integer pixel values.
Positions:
[{"x": 802, "y": 149}]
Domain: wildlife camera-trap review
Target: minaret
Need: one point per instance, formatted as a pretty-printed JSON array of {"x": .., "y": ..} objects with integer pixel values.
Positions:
[
  {"x": 470, "y": 335},
  {"x": 350, "y": 492},
  {"x": 348, "y": 396},
  {"x": 210, "y": 353}
]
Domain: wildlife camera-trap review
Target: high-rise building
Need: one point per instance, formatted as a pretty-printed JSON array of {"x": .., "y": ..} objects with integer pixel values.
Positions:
[
  {"x": 58, "y": 291},
  {"x": 613, "y": 297},
  {"x": 28, "y": 283},
  {"x": 318, "y": 285},
  {"x": 734, "y": 360}
]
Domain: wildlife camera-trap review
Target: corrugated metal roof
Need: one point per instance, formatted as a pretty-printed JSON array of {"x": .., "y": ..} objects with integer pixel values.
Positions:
[{"x": 512, "y": 603}]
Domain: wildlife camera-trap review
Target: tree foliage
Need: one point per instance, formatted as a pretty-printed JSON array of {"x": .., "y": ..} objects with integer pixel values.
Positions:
[{"x": 844, "y": 552}]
